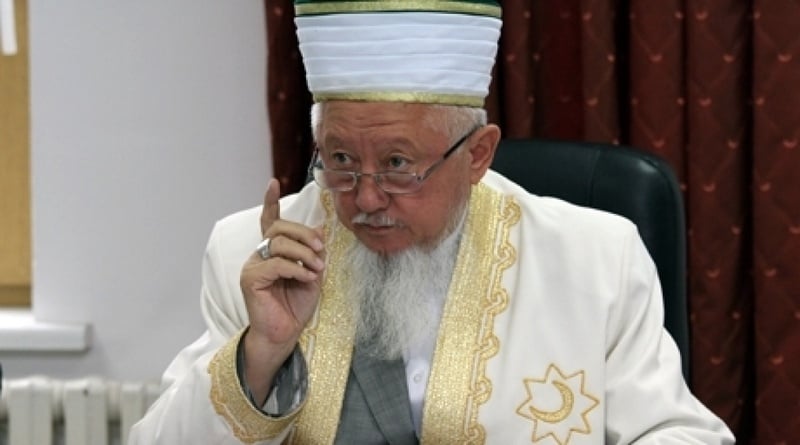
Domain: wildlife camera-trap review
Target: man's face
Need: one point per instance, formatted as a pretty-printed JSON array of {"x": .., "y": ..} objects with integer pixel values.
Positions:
[{"x": 370, "y": 137}]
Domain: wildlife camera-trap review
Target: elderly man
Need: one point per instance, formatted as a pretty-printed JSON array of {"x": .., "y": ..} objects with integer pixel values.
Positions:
[{"x": 410, "y": 294}]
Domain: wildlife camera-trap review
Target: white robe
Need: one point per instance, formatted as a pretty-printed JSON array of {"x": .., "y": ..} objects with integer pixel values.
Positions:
[{"x": 552, "y": 333}]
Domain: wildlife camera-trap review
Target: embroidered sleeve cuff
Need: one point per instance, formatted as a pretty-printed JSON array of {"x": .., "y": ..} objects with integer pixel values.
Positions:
[
  {"x": 248, "y": 423},
  {"x": 288, "y": 388}
]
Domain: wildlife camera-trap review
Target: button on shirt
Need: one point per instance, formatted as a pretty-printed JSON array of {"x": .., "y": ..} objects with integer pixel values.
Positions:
[
  {"x": 418, "y": 368},
  {"x": 418, "y": 364}
]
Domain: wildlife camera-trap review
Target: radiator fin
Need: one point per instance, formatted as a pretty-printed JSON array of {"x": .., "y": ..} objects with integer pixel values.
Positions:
[{"x": 91, "y": 411}]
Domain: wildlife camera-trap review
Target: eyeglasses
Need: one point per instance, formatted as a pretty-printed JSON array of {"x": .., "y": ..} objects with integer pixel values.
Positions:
[{"x": 395, "y": 183}]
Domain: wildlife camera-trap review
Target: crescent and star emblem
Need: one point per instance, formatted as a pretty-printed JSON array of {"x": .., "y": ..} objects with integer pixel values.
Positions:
[
  {"x": 567, "y": 401},
  {"x": 558, "y": 405}
]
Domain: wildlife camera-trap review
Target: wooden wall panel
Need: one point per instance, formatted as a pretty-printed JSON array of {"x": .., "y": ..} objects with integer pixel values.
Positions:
[{"x": 15, "y": 221}]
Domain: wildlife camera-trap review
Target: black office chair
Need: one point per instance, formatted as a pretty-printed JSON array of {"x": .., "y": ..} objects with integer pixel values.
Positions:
[{"x": 621, "y": 180}]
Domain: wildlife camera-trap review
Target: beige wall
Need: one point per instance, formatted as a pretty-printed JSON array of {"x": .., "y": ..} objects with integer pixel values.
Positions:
[{"x": 15, "y": 233}]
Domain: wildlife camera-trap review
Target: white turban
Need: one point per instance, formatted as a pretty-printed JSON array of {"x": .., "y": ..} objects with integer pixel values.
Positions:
[{"x": 423, "y": 51}]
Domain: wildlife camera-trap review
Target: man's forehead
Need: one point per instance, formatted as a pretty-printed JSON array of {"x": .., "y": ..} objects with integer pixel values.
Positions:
[
  {"x": 376, "y": 140},
  {"x": 379, "y": 117},
  {"x": 372, "y": 107}
]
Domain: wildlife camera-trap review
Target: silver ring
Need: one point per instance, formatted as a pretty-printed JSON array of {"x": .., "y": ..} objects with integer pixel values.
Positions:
[{"x": 263, "y": 248}]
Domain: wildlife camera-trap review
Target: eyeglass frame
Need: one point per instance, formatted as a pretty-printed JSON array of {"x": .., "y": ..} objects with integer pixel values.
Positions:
[{"x": 316, "y": 165}]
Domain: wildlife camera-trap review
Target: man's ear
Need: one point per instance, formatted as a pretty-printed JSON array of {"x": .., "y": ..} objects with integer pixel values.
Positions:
[{"x": 484, "y": 143}]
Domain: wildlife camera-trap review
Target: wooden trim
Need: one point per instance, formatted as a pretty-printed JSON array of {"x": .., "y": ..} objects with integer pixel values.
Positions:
[
  {"x": 15, "y": 220},
  {"x": 15, "y": 296}
]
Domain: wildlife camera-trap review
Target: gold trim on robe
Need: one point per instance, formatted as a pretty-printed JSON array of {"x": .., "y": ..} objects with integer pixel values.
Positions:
[
  {"x": 458, "y": 385},
  {"x": 247, "y": 423},
  {"x": 328, "y": 341}
]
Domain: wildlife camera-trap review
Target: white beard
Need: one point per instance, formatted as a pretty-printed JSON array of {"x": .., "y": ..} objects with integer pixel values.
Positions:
[{"x": 397, "y": 300}]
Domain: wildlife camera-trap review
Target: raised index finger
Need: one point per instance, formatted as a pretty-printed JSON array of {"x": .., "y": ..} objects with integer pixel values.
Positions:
[{"x": 272, "y": 207}]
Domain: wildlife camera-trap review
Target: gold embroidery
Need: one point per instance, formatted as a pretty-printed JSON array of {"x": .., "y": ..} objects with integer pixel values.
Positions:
[
  {"x": 229, "y": 400},
  {"x": 400, "y": 96},
  {"x": 571, "y": 415},
  {"x": 408, "y": 96},
  {"x": 334, "y": 7},
  {"x": 327, "y": 342},
  {"x": 567, "y": 401},
  {"x": 458, "y": 385}
]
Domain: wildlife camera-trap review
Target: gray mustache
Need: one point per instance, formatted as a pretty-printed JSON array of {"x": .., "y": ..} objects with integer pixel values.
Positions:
[{"x": 375, "y": 220}]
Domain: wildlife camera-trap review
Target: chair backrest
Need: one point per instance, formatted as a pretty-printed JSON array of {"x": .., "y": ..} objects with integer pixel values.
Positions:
[{"x": 637, "y": 185}]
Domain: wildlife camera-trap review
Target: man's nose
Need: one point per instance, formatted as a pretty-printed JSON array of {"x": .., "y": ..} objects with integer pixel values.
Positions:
[{"x": 369, "y": 195}]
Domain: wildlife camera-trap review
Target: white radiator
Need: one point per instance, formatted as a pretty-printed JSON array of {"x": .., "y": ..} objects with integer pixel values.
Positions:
[{"x": 91, "y": 411}]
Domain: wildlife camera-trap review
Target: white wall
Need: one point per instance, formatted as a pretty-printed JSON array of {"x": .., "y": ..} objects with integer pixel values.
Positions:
[{"x": 148, "y": 124}]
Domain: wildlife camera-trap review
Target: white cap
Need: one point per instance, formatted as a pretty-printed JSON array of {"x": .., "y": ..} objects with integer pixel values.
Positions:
[{"x": 422, "y": 51}]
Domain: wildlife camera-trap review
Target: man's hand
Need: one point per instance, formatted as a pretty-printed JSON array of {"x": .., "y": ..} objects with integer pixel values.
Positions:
[{"x": 281, "y": 292}]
